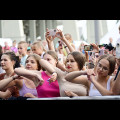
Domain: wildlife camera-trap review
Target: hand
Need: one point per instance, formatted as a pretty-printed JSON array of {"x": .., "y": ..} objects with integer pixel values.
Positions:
[
  {"x": 60, "y": 35},
  {"x": 95, "y": 47},
  {"x": 49, "y": 38},
  {"x": 53, "y": 78},
  {"x": 70, "y": 94},
  {"x": 15, "y": 77},
  {"x": 29, "y": 95},
  {"x": 90, "y": 74},
  {"x": 38, "y": 80}
]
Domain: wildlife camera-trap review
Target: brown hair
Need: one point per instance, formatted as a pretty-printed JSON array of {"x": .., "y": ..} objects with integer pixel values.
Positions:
[
  {"x": 111, "y": 60},
  {"x": 37, "y": 58},
  {"x": 53, "y": 54},
  {"x": 79, "y": 58}
]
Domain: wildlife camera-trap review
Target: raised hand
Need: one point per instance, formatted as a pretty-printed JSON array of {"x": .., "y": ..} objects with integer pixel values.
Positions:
[
  {"x": 60, "y": 35},
  {"x": 53, "y": 78},
  {"x": 90, "y": 74},
  {"x": 48, "y": 37}
]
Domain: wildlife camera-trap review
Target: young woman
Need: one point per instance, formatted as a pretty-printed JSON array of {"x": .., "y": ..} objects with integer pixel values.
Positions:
[
  {"x": 47, "y": 89},
  {"x": 100, "y": 84},
  {"x": 9, "y": 61},
  {"x": 25, "y": 86},
  {"x": 75, "y": 62}
]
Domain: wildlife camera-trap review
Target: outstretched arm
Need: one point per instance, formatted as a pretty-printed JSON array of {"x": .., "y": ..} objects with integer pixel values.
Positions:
[
  {"x": 77, "y": 77},
  {"x": 35, "y": 76},
  {"x": 5, "y": 82}
]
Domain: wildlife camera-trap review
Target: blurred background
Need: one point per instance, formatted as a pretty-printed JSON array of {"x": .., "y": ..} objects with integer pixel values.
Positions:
[{"x": 89, "y": 31}]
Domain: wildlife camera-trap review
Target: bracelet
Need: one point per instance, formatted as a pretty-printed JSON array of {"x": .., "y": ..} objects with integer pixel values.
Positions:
[{"x": 65, "y": 46}]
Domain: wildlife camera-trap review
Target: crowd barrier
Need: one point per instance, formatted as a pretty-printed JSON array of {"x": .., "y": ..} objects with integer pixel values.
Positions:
[{"x": 80, "y": 98}]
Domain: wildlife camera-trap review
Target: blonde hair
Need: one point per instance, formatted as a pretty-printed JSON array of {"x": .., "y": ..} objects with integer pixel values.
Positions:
[
  {"x": 39, "y": 44},
  {"x": 24, "y": 43}
]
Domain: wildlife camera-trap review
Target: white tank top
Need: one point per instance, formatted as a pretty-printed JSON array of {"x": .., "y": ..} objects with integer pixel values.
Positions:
[{"x": 95, "y": 92}]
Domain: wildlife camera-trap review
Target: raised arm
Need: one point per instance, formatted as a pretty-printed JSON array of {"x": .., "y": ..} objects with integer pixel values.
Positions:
[
  {"x": 79, "y": 77},
  {"x": 49, "y": 40},
  {"x": 60, "y": 35},
  {"x": 33, "y": 75},
  {"x": 47, "y": 66}
]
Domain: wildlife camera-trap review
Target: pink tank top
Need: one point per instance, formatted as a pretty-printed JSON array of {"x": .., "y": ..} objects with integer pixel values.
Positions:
[
  {"x": 25, "y": 90},
  {"x": 48, "y": 90}
]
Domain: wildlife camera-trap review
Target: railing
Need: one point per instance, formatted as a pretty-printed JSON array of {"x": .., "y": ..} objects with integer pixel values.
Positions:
[{"x": 80, "y": 98}]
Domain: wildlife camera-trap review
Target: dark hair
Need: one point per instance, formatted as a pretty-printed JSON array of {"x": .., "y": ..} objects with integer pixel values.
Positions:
[
  {"x": 79, "y": 58},
  {"x": 112, "y": 62},
  {"x": 13, "y": 57},
  {"x": 37, "y": 58}
]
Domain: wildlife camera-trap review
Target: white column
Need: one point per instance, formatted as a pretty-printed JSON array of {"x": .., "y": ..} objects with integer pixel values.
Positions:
[
  {"x": 70, "y": 26},
  {"x": 90, "y": 31},
  {"x": 42, "y": 29},
  {"x": 32, "y": 30},
  {"x": 0, "y": 28},
  {"x": 13, "y": 29}
]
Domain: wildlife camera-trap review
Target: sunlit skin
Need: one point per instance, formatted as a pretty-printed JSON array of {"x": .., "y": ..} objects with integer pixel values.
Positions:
[
  {"x": 71, "y": 64},
  {"x": 31, "y": 64},
  {"x": 6, "y": 63},
  {"x": 50, "y": 59},
  {"x": 36, "y": 50},
  {"x": 22, "y": 50},
  {"x": 103, "y": 68}
]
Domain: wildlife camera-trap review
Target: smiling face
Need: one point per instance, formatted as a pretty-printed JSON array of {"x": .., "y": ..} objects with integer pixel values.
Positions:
[
  {"x": 31, "y": 63},
  {"x": 6, "y": 62},
  {"x": 71, "y": 64}
]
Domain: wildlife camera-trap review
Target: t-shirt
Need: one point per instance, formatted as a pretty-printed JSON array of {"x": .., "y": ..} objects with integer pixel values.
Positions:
[
  {"x": 23, "y": 60},
  {"x": 48, "y": 90},
  {"x": 14, "y": 90},
  {"x": 14, "y": 49},
  {"x": 6, "y": 48}
]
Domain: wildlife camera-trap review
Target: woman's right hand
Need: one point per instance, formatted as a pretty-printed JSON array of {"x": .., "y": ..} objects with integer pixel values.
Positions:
[{"x": 49, "y": 38}]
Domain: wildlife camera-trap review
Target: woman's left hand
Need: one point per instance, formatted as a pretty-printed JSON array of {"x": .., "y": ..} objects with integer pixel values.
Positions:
[{"x": 53, "y": 78}]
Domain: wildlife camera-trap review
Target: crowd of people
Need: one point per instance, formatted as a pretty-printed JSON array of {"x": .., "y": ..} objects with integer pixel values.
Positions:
[{"x": 43, "y": 70}]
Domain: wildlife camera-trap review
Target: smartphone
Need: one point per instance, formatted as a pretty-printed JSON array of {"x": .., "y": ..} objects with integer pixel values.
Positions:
[
  {"x": 101, "y": 52},
  {"x": 52, "y": 32},
  {"x": 88, "y": 47}
]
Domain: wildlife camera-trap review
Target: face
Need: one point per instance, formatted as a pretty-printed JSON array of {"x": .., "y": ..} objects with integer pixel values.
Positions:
[
  {"x": 36, "y": 50},
  {"x": 50, "y": 59},
  {"x": 21, "y": 49},
  {"x": 31, "y": 64},
  {"x": 71, "y": 64},
  {"x": 103, "y": 68},
  {"x": 6, "y": 63}
]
